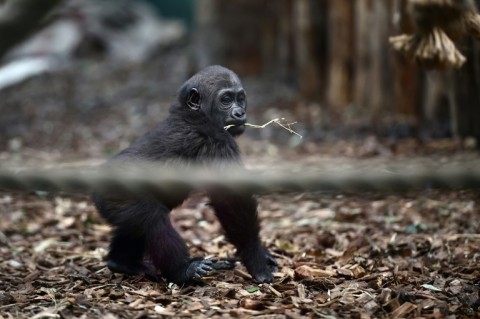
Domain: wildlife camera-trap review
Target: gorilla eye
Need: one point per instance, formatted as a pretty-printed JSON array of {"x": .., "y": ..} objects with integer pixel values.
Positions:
[
  {"x": 241, "y": 98},
  {"x": 226, "y": 99}
]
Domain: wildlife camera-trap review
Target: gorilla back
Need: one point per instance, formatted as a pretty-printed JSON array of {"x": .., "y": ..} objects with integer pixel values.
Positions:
[{"x": 143, "y": 240}]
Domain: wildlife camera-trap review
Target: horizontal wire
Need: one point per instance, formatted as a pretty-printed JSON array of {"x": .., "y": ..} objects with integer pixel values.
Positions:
[{"x": 162, "y": 181}]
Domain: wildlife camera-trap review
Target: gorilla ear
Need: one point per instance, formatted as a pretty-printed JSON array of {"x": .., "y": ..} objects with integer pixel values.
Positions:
[{"x": 193, "y": 99}]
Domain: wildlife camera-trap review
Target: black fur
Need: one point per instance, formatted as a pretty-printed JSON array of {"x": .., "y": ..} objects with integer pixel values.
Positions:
[{"x": 193, "y": 133}]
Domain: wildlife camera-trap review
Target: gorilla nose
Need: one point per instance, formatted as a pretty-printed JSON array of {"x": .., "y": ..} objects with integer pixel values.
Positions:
[{"x": 239, "y": 114}]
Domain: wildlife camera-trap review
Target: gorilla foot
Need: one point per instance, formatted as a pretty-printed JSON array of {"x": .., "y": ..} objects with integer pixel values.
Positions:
[
  {"x": 261, "y": 265},
  {"x": 271, "y": 262},
  {"x": 192, "y": 272},
  {"x": 198, "y": 268}
]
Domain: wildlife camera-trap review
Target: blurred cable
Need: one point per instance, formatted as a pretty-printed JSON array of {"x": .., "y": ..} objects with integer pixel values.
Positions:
[{"x": 164, "y": 182}]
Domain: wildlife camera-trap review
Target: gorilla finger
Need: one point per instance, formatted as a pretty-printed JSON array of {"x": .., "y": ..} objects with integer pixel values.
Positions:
[
  {"x": 202, "y": 272},
  {"x": 211, "y": 260},
  {"x": 197, "y": 276},
  {"x": 206, "y": 268},
  {"x": 224, "y": 265}
]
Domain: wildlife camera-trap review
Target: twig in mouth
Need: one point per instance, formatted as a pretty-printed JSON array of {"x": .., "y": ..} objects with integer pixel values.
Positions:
[{"x": 282, "y": 122}]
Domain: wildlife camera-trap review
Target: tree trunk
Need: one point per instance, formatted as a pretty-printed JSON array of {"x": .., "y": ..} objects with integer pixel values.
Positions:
[
  {"x": 306, "y": 58},
  {"x": 466, "y": 96},
  {"x": 340, "y": 52}
]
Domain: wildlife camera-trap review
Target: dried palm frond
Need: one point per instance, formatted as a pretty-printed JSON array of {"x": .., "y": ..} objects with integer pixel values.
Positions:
[
  {"x": 439, "y": 23},
  {"x": 433, "y": 50}
]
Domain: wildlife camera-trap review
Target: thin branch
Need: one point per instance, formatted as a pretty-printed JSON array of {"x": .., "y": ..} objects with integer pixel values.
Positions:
[{"x": 278, "y": 121}]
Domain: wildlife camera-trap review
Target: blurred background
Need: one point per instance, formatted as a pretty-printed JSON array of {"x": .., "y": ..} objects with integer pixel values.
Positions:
[{"x": 83, "y": 78}]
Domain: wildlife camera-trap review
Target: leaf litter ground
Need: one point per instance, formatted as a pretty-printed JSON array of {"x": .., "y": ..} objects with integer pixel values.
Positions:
[{"x": 341, "y": 255}]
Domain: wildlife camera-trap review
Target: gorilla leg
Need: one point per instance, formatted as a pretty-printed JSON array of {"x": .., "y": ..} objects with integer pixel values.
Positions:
[
  {"x": 126, "y": 251},
  {"x": 128, "y": 244},
  {"x": 143, "y": 228},
  {"x": 169, "y": 252},
  {"x": 238, "y": 216}
]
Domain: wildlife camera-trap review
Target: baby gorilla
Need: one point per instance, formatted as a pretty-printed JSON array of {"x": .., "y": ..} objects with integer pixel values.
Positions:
[{"x": 194, "y": 132}]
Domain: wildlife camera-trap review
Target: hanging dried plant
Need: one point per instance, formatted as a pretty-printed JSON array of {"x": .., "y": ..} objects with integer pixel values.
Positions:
[{"x": 438, "y": 23}]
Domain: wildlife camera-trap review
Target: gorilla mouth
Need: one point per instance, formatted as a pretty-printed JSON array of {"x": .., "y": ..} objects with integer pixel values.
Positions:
[
  {"x": 232, "y": 124},
  {"x": 235, "y": 128}
]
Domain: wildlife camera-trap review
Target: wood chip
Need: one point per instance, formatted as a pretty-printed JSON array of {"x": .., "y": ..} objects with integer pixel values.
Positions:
[
  {"x": 403, "y": 310},
  {"x": 306, "y": 272}
]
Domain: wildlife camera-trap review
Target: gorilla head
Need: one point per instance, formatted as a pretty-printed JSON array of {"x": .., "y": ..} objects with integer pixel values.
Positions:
[{"x": 217, "y": 92}]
